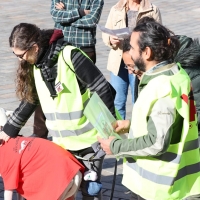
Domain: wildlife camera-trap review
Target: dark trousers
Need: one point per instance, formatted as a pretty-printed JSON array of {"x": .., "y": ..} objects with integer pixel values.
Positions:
[
  {"x": 91, "y": 52},
  {"x": 39, "y": 127}
]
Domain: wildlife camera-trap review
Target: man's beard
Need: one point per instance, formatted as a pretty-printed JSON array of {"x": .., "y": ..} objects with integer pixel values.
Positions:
[{"x": 139, "y": 62}]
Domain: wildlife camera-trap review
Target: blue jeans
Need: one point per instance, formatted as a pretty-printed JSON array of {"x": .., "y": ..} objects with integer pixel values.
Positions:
[{"x": 121, "y": 83}]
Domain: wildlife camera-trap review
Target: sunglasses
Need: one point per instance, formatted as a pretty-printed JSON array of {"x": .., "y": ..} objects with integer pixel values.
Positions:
[{"x": 22, "y": 55}]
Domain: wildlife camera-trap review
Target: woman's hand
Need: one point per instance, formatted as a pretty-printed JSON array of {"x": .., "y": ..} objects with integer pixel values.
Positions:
[
  {"x": 122, "y": 126},
  {"x": 3, "y": 138},
  {"x": 114, "y": 40}
]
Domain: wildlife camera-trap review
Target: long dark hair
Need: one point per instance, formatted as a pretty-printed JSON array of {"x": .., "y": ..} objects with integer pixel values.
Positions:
[
  {"x": 23, "y": 37},
  {"x": 163, "y": 43}
]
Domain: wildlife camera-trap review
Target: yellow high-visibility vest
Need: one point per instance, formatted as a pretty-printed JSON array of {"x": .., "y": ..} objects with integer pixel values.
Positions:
[
  {"x": 64, "y": 114},
  {"x": 176, "y": 173}
]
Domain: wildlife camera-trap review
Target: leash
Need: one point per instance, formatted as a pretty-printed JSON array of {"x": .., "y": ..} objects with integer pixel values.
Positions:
[{"x": 114, "y": 179}]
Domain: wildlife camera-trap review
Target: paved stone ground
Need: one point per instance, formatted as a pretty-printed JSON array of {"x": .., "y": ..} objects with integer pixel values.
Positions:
[{"x": 182, "y": 17}]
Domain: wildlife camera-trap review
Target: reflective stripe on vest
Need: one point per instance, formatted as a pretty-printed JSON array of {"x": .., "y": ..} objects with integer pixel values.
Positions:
[
  {"x": 162, "y": 179},
  {"x": 173, "y": 157},
  {"x": 168, "y": 157},
  {"x": 176, "y": 173},
  {"x": 67, "y": 133},
  {"x": 64, "y": 114}
]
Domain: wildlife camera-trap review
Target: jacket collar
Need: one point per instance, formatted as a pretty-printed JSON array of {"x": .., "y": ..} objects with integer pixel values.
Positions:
[
  {"x": 49, "y": 57},
  {"x": 145, "y": 5},
  {"x": 168, "y": 70}
]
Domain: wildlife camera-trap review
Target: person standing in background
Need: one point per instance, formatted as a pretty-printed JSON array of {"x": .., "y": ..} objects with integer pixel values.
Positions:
[
  {"x": 78, "y": 20},
  {"x": 124, "y": 14},
  {"x": 131, "y": 67}
]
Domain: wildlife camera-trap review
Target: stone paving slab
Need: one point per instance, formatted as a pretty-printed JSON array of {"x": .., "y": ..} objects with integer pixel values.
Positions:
[{"x": 182, "y": 17}]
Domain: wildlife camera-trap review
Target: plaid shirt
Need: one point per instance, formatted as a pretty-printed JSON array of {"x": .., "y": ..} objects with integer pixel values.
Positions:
[{"x": 78, "y": 31}]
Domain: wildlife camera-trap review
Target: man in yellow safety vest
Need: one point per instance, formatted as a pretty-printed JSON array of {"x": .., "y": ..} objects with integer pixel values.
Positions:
[{"x": 161, "y": 155}]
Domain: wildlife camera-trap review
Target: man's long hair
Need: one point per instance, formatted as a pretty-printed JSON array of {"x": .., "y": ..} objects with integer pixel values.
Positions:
[
  {"x": 23, "y": 37},
  {"x": 162, "y": 42}
]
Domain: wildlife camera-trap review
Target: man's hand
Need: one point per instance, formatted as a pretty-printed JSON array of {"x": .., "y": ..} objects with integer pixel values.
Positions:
[
  {"x": 84, "y": 12},
  {"x": 122, "y": 126},
  {"x": 130, "y": 68},
  {"x": 105, "y": 144},
  {"x": 60, "y": 6},
  {"x": 3, "y": 138}
]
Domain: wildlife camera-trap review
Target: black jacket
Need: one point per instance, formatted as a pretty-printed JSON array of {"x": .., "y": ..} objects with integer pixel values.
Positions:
[{"x": 189, "y": 58}]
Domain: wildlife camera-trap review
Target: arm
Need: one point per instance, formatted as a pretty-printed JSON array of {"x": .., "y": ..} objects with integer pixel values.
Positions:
[
  {"x": 109, "y": 24},
  {"x": 19, "y": 118},
  {"x": 91, "y": 77},
  {"x": 90, "y": 20},
  {"x": 156, "y": 141},
  {"x": 64, "y": 16}
]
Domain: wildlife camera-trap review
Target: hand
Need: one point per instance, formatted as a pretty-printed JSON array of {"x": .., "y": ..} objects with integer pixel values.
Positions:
[
  {"x": 122, "y": 126},
  {"x": 133, "y": 69},
  {"x": 60, "y": 6},
  {"x": 105, "y": 144},
  {"x": 84, "y": 12},
  {"x": 114, "y": 40},
  {"x": 130, "y": 68},
  {"x": 3, "y": 138},
  {"x": 87, "y": 12}
]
